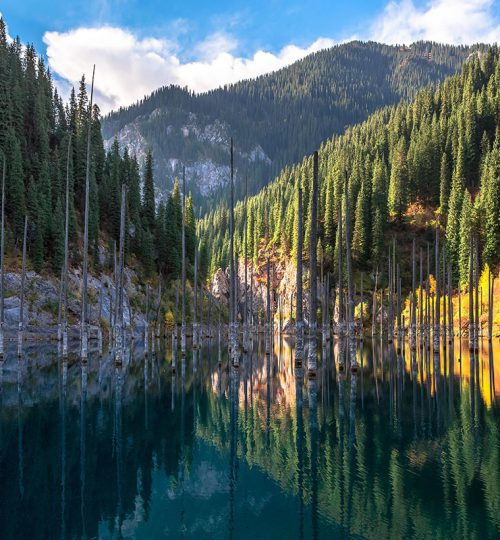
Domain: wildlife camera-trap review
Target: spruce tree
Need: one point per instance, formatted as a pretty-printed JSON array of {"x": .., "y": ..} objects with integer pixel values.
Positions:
[
  {"x": 398, "y": 185},
  {"x": 465, "y": 232},
  {"x": 490, "y": 183},
  {"x": 148, "y": 204}
]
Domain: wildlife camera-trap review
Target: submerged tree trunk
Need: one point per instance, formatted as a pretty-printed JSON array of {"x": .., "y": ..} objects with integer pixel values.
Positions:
[
  {"x": 183, "y": 266},
  {"x": 299, "y": 319},
  {"x": 23, "y": 281},
  {"x": 119, "y": 330},
  {"x": 84, "y": 329},
  {"x": 341, "y": 319},
  {"x": 352, "y": 336},
  {"x": 313, "y": 285},
  {"x": 268, "y": 326},
  {"x": 471, "y": 294},
  {"x": 245, "y": 308},
  {"x": 437, "y": 316},
  {"x": 413, "y": 334},
  {"x": 232, "y": 281},
  {"x": 2, "y": 268}
]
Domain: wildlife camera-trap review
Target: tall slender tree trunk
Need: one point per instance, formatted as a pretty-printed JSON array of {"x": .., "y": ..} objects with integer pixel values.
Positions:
[
  {"x": 299, "y": 319},
  {"x": 146, "y": 325},
  {"x": 313, "y": 262},
  {"x": 413, "y": 334},
  {"x": 437, "y": 316},
  {"x": 268, "y": 326},
  {"x": 350, "y": 288},
  {"x": 232, "y": 287},
  {"x": 340, "y": 242},
  {"x": 119, "y": 330},
  {"x": 23, "y": 282},
  {"x": 183, "y": 264},
  {"x": 471, "y": 295},
  {"x": 195, "y": 304},
  {"x": 245, "y": 308},
  {"x": 477, "y": 328},
  {"x": 2, "y": 263},
  {"x": 84, "y": 327}
]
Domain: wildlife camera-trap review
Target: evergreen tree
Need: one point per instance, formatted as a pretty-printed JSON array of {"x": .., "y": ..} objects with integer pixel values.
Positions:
[
  {"x": 490, "y": 183},
  {"x": 148, "y": 204},
  {"x": 465, "y": 233},
  {"x": 398, "y": 185}
]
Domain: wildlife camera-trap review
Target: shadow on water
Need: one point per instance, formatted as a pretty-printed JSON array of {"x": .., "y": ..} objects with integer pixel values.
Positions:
[{"x": 166, "y": 446}]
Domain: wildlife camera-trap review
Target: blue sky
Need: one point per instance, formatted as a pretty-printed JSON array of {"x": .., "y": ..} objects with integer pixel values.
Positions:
[
  {"x": 267, "y": 24},
  {"x": 140, "y": 45}
]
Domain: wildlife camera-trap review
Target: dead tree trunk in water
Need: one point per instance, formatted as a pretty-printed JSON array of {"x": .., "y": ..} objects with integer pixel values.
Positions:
[
  {"x": 245, "y": 232},
  {"x": 471, "y": 294},
  {"x": 232, "y": 280},
  {"x": 183, "y": 267},
  {"x": 299, "y": 320},
  {"x": 268, "y": 325},
  {"x": 2, "y": 250},
  {"x": 350, "y": 289},
  {"x": 437, "y": 316},
  {"x": 491, "y": 289},
  {"x": 84, "y": 329},
  {"x": 146, "y": 326},
  {"x": 450, "y": 306},
  {"x": 23, "y": 281},
  {"x": 340, "y": 242},
  {"x": 477, "y": 328},
  {"x": 413, "y": 335},
  {"x": 313, "y": 286},
  {"x": 195, "y": 303},
  {"x": 119, "y": 330}
]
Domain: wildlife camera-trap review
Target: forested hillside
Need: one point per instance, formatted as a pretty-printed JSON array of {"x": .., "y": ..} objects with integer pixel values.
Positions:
[
  {"x": 437, "y": 158},
  {"x": 277, "y": 118},
  {"x": 36, "y": 128}
]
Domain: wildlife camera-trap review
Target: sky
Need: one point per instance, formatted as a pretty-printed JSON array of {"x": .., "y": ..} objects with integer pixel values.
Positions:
[{"x": 140, "y": 45}]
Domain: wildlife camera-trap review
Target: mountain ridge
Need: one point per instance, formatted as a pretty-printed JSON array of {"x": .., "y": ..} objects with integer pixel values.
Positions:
[{"x": 276, "y": 118}]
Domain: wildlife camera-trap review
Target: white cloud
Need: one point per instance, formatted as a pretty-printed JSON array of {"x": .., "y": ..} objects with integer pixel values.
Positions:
[
  {"x": 129, "y": 67},
  {"x": 446, "y": 21}
]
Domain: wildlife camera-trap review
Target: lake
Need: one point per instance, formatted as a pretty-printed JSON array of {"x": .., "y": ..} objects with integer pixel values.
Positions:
[{"x": 407, "y": 447}]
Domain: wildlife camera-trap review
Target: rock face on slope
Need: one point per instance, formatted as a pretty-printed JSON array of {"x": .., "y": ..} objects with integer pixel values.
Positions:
[{"x": 42, "y": 303}]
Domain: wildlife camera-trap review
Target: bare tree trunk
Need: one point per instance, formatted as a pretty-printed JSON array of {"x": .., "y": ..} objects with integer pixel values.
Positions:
[
  {"x": 361, "y": 329},
  {"x": 398, "y": 309},
  {"x": 413, "y": 334},
  {"x": 491, "y": 291},
  {"x": 477, "y": 328},
  {"x": 450, "y": 307},
  {"x": 195, "y": 303},
  {"x": 350, "y": 288},
  {"x": 84, "y": 329},
  {"x": 2, "y": 268},
  {"x": 341, "y": 322},
  {"x": 232, "y": 281},
  {"x": 421, "y": 300},
  {"x": 119, "y": 330},
  {"x": 146, "y": 326},
  {"x": 445, "y": 328},
  {"x": 437, "y": 317},
  {"x": 23, "y": 281},
  {"x": 313, "y": 287},
  {"x": 245, "y": 311},
  {"x": 299, "y": 322},
  {"x": 268, "y": 328},
  {"x": 471, "y": 295},
  {"x": 374, "y": 303},
  {"x": 183, "y": 267}
]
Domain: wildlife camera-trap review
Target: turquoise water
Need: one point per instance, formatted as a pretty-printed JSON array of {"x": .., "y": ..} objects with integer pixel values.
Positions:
[{"x": 405, "y": 448}]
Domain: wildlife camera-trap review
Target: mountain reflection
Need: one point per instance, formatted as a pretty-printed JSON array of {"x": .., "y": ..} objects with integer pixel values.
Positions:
[{"x": 191, "y": 447}]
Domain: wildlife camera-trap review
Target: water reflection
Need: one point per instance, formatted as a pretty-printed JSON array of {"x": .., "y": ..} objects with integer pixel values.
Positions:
[{"x": 167, "y": 446}]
